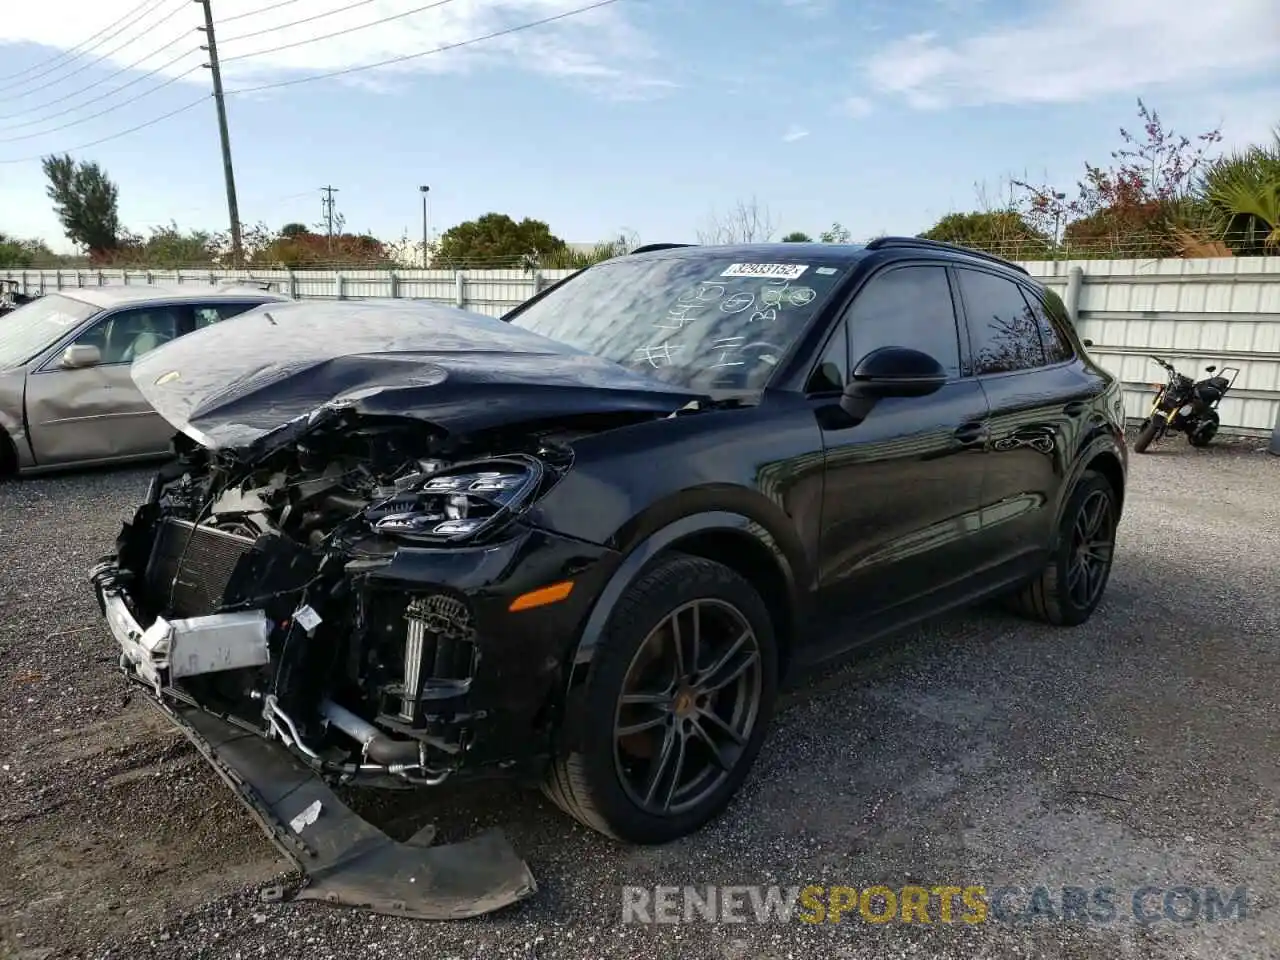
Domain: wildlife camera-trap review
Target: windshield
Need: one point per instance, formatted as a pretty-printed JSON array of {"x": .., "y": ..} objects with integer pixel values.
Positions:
[
  {"x": 697, "y": 322},
  {"x": 33, "y": 327}
]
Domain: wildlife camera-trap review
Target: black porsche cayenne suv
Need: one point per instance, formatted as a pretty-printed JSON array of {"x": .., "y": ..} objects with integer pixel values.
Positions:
[{"x": 584, "y": 544}]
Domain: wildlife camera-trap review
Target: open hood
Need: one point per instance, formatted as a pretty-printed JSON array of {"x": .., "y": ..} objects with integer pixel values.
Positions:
[{"x": 231, "y": 384}]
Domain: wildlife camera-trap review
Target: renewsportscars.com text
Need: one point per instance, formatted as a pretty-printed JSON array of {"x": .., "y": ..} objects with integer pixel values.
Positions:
[{"x": 936, "y": 904}]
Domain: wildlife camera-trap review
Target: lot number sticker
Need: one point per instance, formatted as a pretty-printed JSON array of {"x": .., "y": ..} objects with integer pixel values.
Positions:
[{"x": 770, "y": 271}]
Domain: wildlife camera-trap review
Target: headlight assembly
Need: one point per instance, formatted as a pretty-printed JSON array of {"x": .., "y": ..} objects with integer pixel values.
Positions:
[{"x": 464, "y": 500}]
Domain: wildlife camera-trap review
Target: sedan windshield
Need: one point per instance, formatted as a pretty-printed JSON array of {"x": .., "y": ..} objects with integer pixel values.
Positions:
[
  {"x": 34, "y": 326},
  {"x": 694, "y": 321}
]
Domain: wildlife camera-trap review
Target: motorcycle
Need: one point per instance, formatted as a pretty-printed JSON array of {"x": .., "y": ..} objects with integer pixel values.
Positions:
[
  {"x": 10, "y": 297},
  {"x": 1190, "y": 406}
]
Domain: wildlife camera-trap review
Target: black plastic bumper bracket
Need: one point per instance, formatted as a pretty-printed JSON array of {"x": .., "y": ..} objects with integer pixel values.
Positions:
[{"x": 346, "y": 859}]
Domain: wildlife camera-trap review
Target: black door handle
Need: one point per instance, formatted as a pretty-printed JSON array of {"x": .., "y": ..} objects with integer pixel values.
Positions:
[
  {"x": 1075, "y": 408},
  {"x": 971, "y": 432}
]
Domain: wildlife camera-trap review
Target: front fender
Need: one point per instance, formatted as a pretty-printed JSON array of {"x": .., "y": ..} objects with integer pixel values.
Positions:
[
  {"x": 12, "y": 417},
  {"x": 792, "y": 570}
]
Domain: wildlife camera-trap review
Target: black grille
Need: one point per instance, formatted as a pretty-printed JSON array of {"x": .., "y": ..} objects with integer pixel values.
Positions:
[{"x": 207, "y": 557}]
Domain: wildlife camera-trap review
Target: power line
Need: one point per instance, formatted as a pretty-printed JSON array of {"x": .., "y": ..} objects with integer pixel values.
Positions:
[
  {"x": 328, "y": 36},
  {"x": 424, "y": 53},
  {"x": 258, "y": 13},
  {"x": 116, "y": 136},
  {"x": 72, "y": 50},
  {"x": 98, "y": 59},
  {"x": 123, "y": 103},
  {"x": 319, "y": 16},
  {"x": 327, "y": 76},
  {"x": 114, "y": 90}
]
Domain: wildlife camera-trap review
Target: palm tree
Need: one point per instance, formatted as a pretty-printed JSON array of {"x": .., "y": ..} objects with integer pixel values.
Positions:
[{"x": 1242, "y": 191}]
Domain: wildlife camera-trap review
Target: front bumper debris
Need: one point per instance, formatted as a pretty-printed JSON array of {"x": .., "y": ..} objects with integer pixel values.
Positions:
[{"x": 346, "y": 859}]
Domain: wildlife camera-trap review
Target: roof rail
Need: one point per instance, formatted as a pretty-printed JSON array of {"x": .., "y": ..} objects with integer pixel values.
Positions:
[
  {"x": 650, "y": 247},
  {"x": 881, "y": 243}
]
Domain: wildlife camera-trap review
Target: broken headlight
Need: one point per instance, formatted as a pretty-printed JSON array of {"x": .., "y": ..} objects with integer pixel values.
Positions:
[{"x": 463, "y": 501}]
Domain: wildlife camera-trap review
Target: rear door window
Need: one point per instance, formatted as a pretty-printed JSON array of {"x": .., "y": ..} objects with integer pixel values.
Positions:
[
  {"x": 1002, "y": 329},
  {"x": 207, "y": 314}
]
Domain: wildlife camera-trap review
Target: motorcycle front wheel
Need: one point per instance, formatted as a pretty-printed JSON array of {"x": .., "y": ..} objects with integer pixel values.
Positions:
[{"x": 1150, "y": 429}]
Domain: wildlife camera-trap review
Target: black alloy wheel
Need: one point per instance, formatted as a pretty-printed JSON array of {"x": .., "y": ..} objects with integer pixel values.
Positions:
[
  {"x": 675, "y": 706},
  {"x": 1093, "y": 540},
  {"x": 690, "y": 701},
  {"x": 1071, "y": 585}
]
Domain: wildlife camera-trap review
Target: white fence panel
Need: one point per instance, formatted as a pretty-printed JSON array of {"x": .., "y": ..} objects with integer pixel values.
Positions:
[{"x": 1190, "y": 312}]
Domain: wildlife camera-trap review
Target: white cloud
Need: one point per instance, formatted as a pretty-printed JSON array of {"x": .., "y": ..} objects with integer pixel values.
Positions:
[
  {"x": 1075, "y": 50},
  {"x": 602, "y": 49},
  {"x": 857, "y": 107},
  {"x": 794, "y": 133}
]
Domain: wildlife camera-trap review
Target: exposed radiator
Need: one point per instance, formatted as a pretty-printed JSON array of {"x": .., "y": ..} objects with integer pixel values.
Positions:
[{"x": 193, "y": 567}]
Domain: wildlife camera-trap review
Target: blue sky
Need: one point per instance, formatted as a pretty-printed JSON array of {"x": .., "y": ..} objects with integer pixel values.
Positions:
[{"x": 644, "y": 115}]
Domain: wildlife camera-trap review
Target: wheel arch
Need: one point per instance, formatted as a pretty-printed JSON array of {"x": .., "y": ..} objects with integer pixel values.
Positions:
[
  {"x": 730, "y": 538},
  {"x": 1107, "y": 463},
  {"x": 1102, "y": 454}
]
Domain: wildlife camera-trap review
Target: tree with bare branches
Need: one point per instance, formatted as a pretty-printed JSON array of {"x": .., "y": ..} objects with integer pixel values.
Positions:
[{"x": 746, "y": 222}]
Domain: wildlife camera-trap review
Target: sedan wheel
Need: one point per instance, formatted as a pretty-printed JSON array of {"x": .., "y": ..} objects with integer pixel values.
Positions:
[{"x": 675, "y": 705}]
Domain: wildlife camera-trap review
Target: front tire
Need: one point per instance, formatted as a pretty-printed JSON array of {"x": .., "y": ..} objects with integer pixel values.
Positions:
[
  {"x": 1071, "y": 586},
  {"x": 1147, "y": 434},
  {"x": 680, "y": 693}
]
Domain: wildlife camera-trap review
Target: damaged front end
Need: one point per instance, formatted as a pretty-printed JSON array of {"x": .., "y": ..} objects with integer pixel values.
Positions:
[{"x": 352, "y": 607}]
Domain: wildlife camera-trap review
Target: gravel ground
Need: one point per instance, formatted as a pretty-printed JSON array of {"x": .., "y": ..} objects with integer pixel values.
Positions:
[{"x": 1137, "y": 750}]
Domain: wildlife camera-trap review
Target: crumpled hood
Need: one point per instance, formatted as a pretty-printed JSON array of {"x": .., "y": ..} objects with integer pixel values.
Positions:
[{"x": 230, "y": 384}]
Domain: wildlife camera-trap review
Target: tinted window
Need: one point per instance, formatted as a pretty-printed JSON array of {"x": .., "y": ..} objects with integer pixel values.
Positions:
[
  {"x": 907, "y": 307},
  {"x": 1056, "y": 348},
  {"x": 1002, "y": 328},
  {"x": 829, "y": 374},
  {"x": 125, "y": 336},
  {"x": 206, "y": 315}
]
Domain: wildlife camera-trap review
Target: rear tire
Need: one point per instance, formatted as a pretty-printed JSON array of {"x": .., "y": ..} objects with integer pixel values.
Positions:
[
  {"x": 643, "y": 770},
  {"x": 1207, "y": 431},
  {"x": 1148, "y": 433},
  {"x": 1071, "y": 586}
]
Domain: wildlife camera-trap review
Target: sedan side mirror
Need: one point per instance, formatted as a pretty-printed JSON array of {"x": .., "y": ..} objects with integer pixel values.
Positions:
[
  {"x": 1210, "y": 368},
  {"x": 894, "y": 372},
  {"x": 81, "y": 355},
  {"x": 1087, "y": 342}
]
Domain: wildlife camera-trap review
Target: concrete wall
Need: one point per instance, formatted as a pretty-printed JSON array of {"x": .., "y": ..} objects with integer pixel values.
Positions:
[{"x": 1191, "y": 312}]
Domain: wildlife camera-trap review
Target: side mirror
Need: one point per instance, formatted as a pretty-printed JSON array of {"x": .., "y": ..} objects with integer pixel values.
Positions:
[
  {"x": 1210, "y": 368},
  {"x": 81, "y": 355},
  {"x": 1087, "y": 342},
  {"x": 894, "y": 372}
]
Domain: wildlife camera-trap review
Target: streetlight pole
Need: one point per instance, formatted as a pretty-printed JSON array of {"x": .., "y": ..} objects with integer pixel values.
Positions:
[{"x": 424, "y": 191}]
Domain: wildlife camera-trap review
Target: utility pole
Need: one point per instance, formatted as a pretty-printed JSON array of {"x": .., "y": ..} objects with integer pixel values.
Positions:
[
  {"x": 233, "y": 209},
  {"x": 424, "y": 191},
  {"x": 327, "y": 204}
]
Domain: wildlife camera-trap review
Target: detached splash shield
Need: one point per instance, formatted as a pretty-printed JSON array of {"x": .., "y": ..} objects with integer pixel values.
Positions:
[{"x": 346, "y": 859}]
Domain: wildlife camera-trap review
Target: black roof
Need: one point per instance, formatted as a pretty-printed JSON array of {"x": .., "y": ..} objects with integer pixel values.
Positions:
[
  {"x": 824, "y": 252},
  {"x": 758, "y": 252}
]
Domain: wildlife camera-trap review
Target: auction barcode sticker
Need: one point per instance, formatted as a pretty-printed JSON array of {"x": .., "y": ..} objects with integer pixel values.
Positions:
[{"x": 773, "y": 271}]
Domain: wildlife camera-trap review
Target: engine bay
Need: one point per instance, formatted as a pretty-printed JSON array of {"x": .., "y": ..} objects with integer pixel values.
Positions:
[{"x": 292, "y": 533}]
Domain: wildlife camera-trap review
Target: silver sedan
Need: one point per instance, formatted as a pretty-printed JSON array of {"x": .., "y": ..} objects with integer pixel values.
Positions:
[{"x": 66, "y": 397}]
